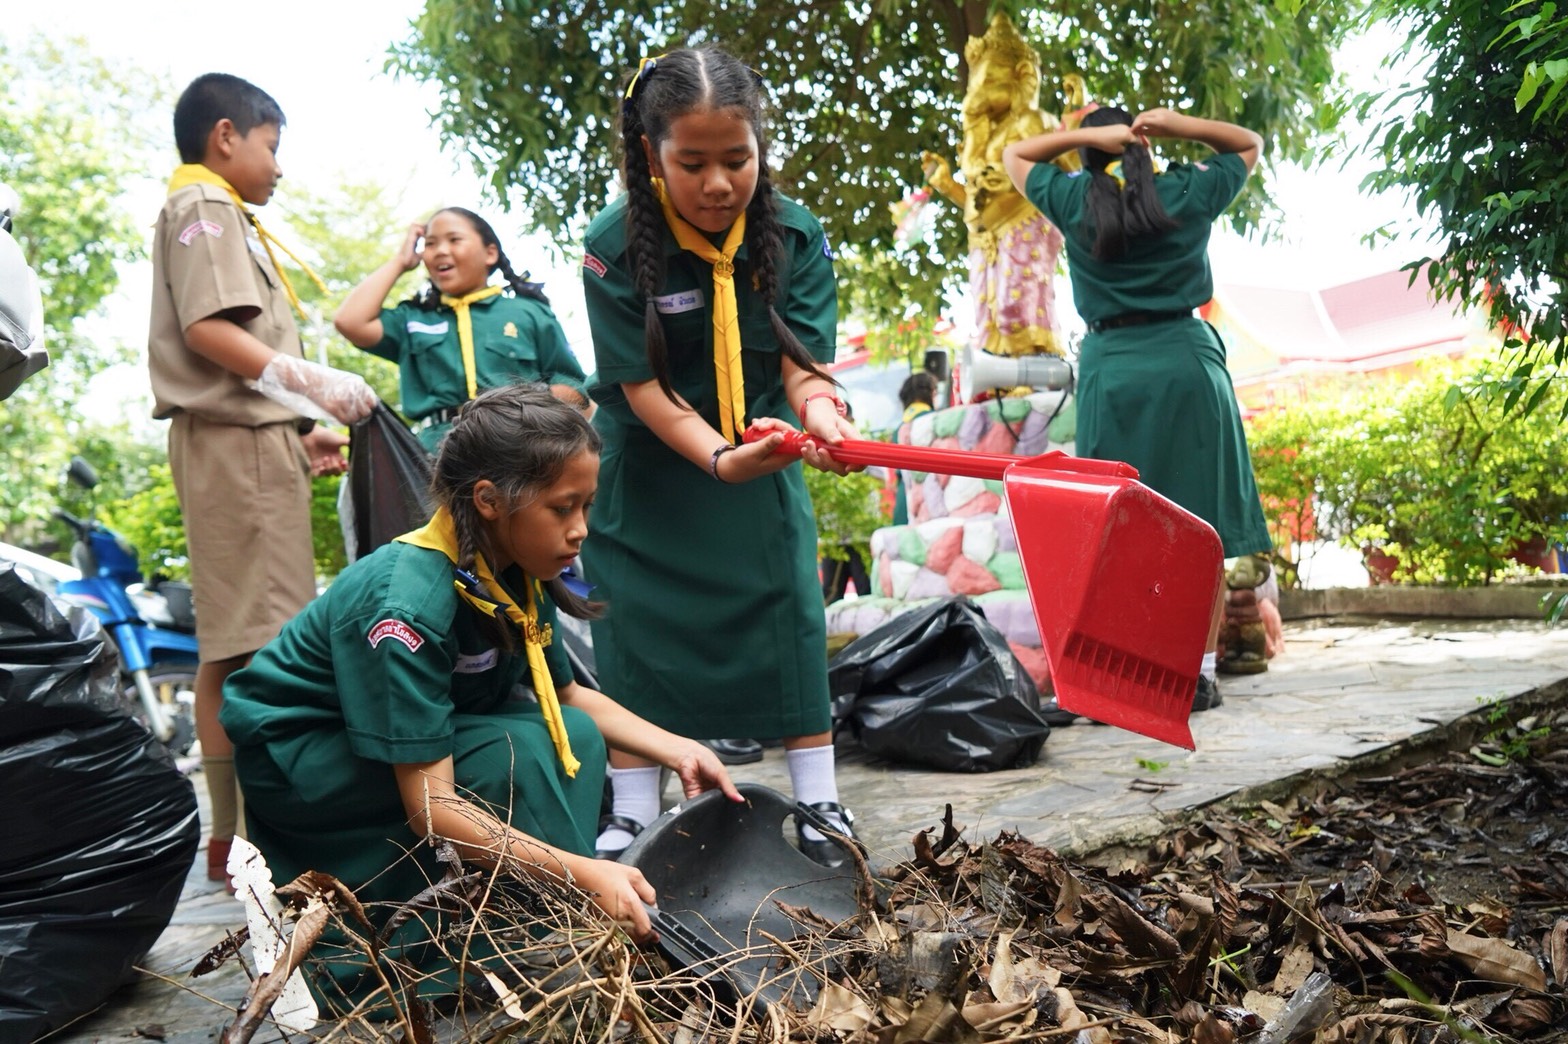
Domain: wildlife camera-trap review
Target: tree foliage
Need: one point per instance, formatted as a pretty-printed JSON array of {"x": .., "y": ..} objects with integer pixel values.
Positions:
[
  {"x": 1484, "y": 165},
  {"x": 532, "y": 91},
  {"x": 74, "y": 133}
]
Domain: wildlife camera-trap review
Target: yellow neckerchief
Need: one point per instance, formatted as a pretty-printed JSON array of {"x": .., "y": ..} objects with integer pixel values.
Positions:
[
  {"x": 726, "y": 330},
  {"x": 465, "y": 330},
  {"x": 197, "y": 174},
  {"x": 915, "y": 409},
  {"x": 482, "y": 591}
]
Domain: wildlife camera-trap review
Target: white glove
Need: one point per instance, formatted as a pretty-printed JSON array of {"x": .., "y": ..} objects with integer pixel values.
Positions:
[{"x": 317, "y": 391}]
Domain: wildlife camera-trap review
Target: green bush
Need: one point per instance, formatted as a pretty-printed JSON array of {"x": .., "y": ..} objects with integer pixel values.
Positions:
[
  {"x": 1431, "y": 469},
  {"x": 849, "y": 509}
]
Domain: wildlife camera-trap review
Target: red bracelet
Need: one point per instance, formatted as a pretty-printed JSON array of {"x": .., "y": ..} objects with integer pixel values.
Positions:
[{"x": 838, "y": 404}]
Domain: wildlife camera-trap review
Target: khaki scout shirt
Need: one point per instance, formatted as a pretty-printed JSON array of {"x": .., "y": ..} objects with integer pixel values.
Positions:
[{"x": 207, "y": 261}]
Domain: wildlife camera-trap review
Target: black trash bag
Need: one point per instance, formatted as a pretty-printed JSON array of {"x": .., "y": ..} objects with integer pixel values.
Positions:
[
  {"x": 99, "y": 827},
  {"x": 387, "y": 486},
  {"x": 938, "y": 686}
]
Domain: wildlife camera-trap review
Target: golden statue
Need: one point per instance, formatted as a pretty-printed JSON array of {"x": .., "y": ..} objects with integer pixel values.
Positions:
[{"x": 1013, "y": 249}]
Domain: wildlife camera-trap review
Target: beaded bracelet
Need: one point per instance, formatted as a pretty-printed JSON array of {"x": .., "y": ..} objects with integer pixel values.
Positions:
[{"x": 713, "y": 461}]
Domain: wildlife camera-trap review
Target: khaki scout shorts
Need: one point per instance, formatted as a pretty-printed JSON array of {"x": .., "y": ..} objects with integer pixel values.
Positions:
[{"x": 245, "y": 495}]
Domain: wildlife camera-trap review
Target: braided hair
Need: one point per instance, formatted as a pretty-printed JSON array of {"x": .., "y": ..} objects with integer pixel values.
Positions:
[
  {"x": 520, "y": 437},
  {"x": 1115, "y": 214},
  {"x": 681, "y": 82},
  {"x": 429, "y": 299}
]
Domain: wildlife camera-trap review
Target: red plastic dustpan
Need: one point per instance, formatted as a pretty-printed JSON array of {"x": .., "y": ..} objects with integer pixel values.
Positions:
[{"x": 1122, "y": 581}]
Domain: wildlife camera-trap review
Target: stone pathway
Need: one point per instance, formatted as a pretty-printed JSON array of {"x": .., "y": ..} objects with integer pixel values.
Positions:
[{"x": 1343, "y": 693}]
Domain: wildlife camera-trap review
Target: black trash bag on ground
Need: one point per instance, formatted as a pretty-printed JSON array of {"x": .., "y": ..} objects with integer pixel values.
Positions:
[
  {"x": 938, "y": 686},
  {"x": 386, "y": 492},
  {"x": 99, "y": 827}
]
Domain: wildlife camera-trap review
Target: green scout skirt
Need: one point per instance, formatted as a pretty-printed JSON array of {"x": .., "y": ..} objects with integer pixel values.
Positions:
[
  {"x": 312, "y": 804},
  {"x": 1159, "y": 398},
  {"x": 714, "y": 625}
]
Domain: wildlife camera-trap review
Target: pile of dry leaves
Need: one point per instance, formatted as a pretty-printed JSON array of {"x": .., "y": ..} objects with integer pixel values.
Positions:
[{"x": 1427, "y": 905}]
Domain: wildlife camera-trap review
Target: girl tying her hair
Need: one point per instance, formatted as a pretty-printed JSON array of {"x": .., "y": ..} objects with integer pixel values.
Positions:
[
  {"x": 713, "y": 304},
  {"x": 1153, "y": 390},
  {"x": 462, "y": 333},
  {"x": 386, "y": 712}
]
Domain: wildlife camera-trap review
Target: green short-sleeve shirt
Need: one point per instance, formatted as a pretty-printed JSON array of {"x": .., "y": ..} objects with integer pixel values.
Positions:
[
  {"x": 1157, "y": 273},
  {"x": 615, "y": 313},
  {"x": 388, "y": 654},
  {"x": 515, "y": 339}
]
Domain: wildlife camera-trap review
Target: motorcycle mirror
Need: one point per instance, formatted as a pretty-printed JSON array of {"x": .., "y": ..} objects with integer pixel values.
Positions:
[{"x": 81, "y": 473}]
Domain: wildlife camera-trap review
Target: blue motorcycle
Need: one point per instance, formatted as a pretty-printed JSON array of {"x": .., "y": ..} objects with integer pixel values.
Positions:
[{"x": 152, "y": 622}]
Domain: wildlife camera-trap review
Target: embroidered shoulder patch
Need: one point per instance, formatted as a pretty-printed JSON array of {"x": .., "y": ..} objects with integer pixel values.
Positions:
[
  {"x": 594, "y": 265},
  {"x": 201, "y": 227},
  {"x": 1201, "y": 166},
  {"x": 827, "y": 250},
  {"x": 397, "y": 630}
]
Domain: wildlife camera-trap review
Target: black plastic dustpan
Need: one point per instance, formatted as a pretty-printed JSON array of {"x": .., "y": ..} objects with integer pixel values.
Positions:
[{"x": 720, "y": 867}]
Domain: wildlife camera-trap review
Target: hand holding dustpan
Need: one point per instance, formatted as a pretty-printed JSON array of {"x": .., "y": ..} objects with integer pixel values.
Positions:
[{"x": 1122, "y": 581}]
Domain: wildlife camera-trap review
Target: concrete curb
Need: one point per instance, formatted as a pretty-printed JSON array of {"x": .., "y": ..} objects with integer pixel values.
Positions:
[
  {"x": 1497, "y": 602},
  {"x": 1130, "y": 841}
]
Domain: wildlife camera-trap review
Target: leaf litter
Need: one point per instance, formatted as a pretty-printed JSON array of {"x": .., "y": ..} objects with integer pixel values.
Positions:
[{"x": 1424, "y": 906}]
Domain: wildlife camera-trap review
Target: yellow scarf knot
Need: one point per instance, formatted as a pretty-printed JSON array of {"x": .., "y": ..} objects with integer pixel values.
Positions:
[
  {"x": 482, "y": 591},
  {"x": 465, "y": 330},
  {"x": 726, "y": 309},
  {"x": 197, "y": 174}
]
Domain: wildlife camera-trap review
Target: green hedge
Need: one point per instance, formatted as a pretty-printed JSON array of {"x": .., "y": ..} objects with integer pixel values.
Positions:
[{"x": 1428, "y": 467}]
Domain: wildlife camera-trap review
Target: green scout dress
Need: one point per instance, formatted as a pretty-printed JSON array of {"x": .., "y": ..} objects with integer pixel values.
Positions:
[
  {"x": 715, "y": 625},
  {"x": 389, "y": 667},
  {"x": 1158, "y": 396},
  {"x": 515, "y": 339}
]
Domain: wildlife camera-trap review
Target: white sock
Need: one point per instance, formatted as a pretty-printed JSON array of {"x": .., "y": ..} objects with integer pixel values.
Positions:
[
  {"x": 1207, "y": 670},
  {"x": 812, "y": 776},
  {"x": 635, "y": 795}
]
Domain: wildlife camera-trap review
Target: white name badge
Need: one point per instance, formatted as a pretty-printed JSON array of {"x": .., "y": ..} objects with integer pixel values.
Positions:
[
  {"x": 475, "y": 664},
  {"x": 415, "y": 326},
  {"x": 674, "y": 304}
]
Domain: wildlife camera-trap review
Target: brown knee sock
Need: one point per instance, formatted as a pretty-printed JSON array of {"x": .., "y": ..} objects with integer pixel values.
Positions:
[{"x": 223, "y": 795}]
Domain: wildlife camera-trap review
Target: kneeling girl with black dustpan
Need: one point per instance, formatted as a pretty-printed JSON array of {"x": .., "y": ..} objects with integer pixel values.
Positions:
[{"x": 386, "y": 711}]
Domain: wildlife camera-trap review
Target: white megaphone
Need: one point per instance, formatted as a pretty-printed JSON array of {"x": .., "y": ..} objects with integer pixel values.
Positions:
[{"x": 984, "y": 371}]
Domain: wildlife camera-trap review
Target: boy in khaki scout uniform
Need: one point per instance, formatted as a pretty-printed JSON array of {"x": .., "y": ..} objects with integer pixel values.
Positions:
[{"x": 223, "y": 351}]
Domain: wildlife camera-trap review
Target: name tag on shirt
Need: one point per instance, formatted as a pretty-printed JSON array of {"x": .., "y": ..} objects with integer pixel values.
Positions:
[
  {"x": 674, "y": 304},
  {"x": 478, "y": 663},
  {"x": 415, "y": 326}
]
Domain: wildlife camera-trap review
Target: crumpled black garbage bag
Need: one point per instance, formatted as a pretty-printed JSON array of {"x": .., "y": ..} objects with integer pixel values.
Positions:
[
  {"x": 938, "y": 686},
  {"x": 386, "y": 492},
  {"x": 99, "y": 827}
]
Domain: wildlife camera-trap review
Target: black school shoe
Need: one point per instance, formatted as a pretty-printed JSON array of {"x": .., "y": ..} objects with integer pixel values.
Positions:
[
  {"x": 608, "y": 822},
  {"x": 736, "y": 751},
  {"x": 1207, "y": 696},
  {"x": 826, "y": 852},
  {"x": 1054, "y": 715}
]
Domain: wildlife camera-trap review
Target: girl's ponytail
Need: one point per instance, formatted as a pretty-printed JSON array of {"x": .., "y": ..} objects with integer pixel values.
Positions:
[
  {"x": 645, "y": 241},
  {"x": 767, "y": 243},
  {"x": 1116, "y": 211},
  {"x": 520, "y": 285}
]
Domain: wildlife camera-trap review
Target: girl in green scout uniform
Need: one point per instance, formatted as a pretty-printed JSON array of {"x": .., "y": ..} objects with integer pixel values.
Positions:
[
  {"x": 1153, "y": 390},
  {"x": 388, "y": 711},
  {"x": 462, "y": 334},
  {"x": 712, "y": 302}
]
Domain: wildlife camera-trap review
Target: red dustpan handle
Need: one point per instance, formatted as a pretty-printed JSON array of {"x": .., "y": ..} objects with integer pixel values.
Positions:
[{"x": 937, "y": 461}]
